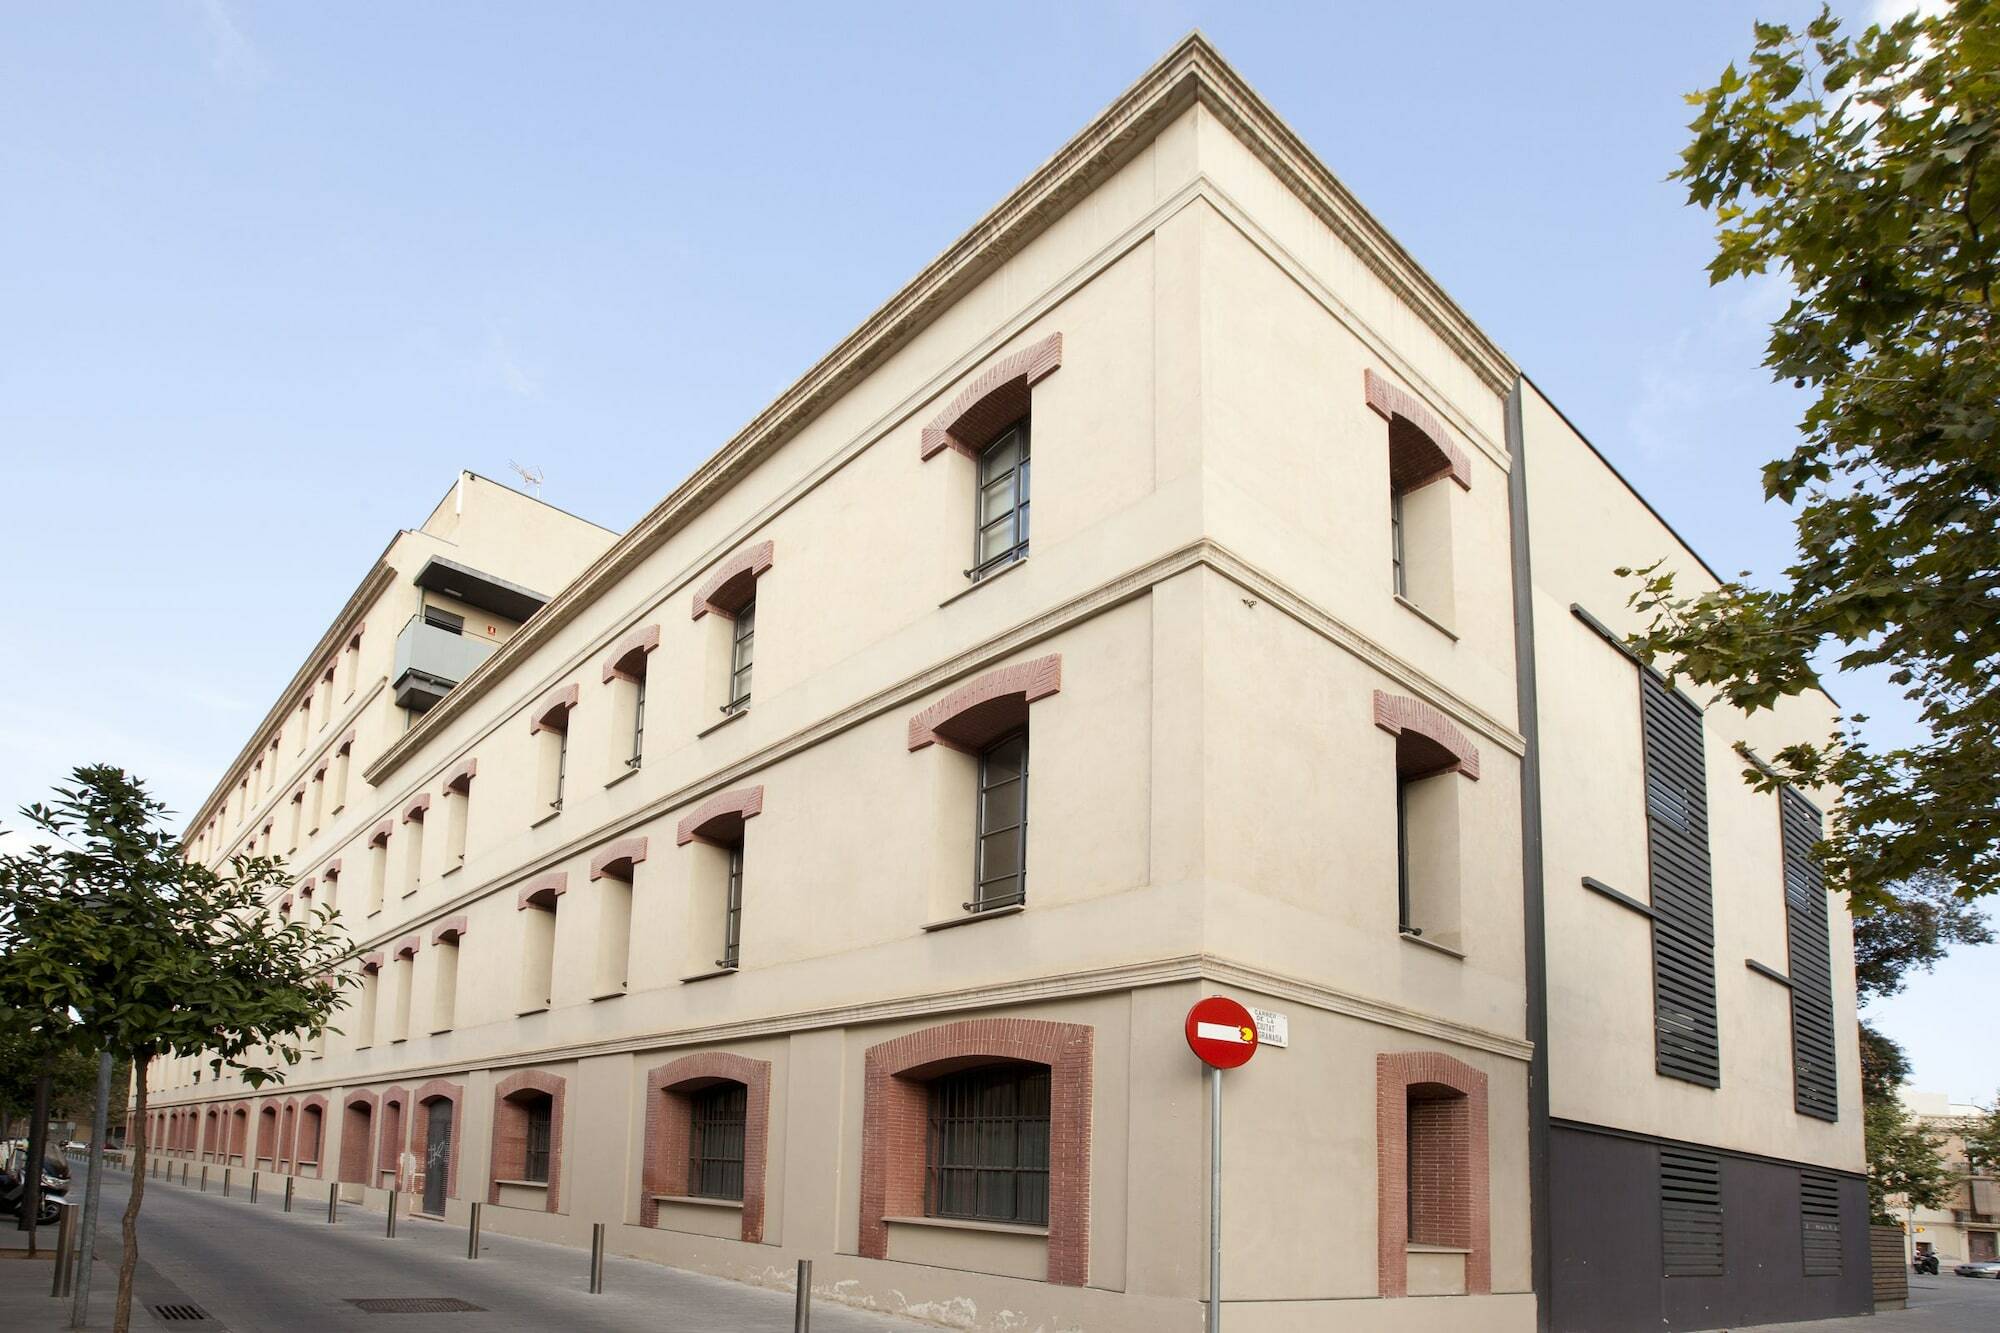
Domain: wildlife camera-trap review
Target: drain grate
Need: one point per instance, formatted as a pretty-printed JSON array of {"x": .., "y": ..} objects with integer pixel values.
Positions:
[
  {"x": 414, "y": 1305},
  {"x": 180, "y": 1312}
]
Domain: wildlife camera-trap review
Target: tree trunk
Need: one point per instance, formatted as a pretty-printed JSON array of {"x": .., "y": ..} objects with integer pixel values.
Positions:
[{"x": 128, "y": 1255}]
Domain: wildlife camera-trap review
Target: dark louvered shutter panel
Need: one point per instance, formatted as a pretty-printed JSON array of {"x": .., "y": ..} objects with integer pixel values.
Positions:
[
  {"x": 1685, "y": 1041},
  {"x": 1691, "y": 1213},
  {"x": 1814, "y": 1089},
  {"x": 1819, "y": 1222}
]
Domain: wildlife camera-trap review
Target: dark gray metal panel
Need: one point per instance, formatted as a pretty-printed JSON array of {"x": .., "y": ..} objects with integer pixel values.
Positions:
[
  {"x": 1819, "y": 1223},
  {"x": 1687, "y": 1044},
  {"x": 1690, "y": 1213},
  {"x": 1608, "y": 1244},
  {"x": 1815, "y": 1085}
]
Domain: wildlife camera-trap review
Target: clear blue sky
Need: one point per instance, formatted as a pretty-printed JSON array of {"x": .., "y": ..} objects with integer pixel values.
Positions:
[{"x": 275, "y": 272}]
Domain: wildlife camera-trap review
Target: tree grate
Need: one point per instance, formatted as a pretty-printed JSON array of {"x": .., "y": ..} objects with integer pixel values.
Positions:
[
  {"x": 414, "y": 1305},
  {"x": 178, "y": 1312}
]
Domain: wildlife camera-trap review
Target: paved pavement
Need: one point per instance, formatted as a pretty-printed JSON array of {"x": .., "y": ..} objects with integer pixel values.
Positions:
[
  {"x": 1942, "y": 1304},
  {"x": 257, "y": 1269}
]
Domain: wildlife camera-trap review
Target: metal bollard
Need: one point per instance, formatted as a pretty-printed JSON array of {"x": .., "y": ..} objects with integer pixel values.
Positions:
[
  {"x": 394, "y": 1196},
  {"x": 204, "y": 1177},
  {"x": 65, "y": 1239},
  {"x": 596, "y": 1258},
  {"x": 472, "y": 1233},
  {"x": 184, "y": 1173},
  {"x": 290, "y": 1182},
  {"x": 333, "y": 1201},
  {"x": 225, "y": 1182},
  {"x": 253, "y": 1187},
  {"x": 802, "y": 1308}
]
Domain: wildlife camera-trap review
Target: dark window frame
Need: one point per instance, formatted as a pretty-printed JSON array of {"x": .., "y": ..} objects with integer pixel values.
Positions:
[
  {"x": 984, "y": 829},
  {"x": 732, "y": 910},
  {"x": 742, "y": 656},
  {"x": 537, "y": 1138},
  {"x": 638, "y": 719},
  {"x": 1018, "y": 476},
  {"x": 986, "y": 1156},
  {"x": 1399, "y": 570}
]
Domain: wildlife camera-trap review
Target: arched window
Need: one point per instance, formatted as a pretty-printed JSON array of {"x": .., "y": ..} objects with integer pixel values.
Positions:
[
  {"x": 1429, "y": 750},
  {"x": 625, "y": 673},
  {"x": 1433, "y": 1204},
  {"x": 527, "y": 1141},
  {"x": 548, "y": 722},
  {"x": 1421, "y": 451},
  {"x": 715, "y": 926},
  {"x": 990, "y": 422},
  {"x": 312, "y": 1136},
  {"x": 357, "y": 1139},
  {"x": 729, "y": 595},
  {"x": 707, "y": 1126}
]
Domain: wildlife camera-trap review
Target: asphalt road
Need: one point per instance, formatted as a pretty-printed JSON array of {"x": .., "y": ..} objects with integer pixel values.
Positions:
[{"x": 257, "y": 1269}]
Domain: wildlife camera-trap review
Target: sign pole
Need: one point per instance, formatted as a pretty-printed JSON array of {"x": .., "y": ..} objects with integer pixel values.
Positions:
[{"x": 1214, "y": 1200}]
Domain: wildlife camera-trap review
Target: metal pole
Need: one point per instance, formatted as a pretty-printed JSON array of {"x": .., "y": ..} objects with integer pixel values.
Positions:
[
  {"x": 31, "y": 1170},
  {"x": 472, "y": 1233},
  {"x": 1214, "y": 1200},
  {"x": 393, "y": 1195},
  {"x": 89, "y": 1249},
  {"x": 802, "y": 1306},
  {"x": 253, "y": 1187},
  {"x": 596, "y": 1258},
  {"x": 184, "y": 1173},
  {"x": 204, "y": 1177},
  {"x": 65, "y": 1237},
  {"x": 290, "y": 1183},
  {"x": 225, "y": 1182},
  {"x": 333, "y": 1201}
]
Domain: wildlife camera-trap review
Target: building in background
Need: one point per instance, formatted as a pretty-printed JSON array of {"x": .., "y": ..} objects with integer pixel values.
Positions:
[
  {"x": 1968, "y": 1226},
  {"x": 824, "y": 869}
]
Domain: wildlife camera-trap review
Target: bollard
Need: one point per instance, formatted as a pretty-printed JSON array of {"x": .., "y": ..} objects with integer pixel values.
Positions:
[
  {"x": 394, "y": 1195},
  {"x": 204, "y": 1177},
  {"x": 253, "y": 1187},
  {"x": 802, "y": 1308},
  {"x": 472, "y": 1233},
  {"x": 184, "y": 1173},
  {"x": 225, "y": 1182},
  {"x": 289, "y": 1183},
  {"x": 596, "y": 1258},
  {"x": 65, "y": 1238},
  {"x": 333, "y": 1201}
]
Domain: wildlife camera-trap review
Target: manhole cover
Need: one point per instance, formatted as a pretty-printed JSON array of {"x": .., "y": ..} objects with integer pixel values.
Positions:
[
  {"x": 180, "y": 1312},
  {"x": 414, "y": 1304}
]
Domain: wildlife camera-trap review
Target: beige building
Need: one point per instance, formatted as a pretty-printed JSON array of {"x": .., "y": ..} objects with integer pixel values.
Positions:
[
  {"x": 1968, "y": 1226},
  {"x": 826, "y": 868}
]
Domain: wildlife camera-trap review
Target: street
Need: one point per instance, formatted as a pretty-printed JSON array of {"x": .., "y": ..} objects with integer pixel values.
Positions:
[{"x": 256, "y": 1269}]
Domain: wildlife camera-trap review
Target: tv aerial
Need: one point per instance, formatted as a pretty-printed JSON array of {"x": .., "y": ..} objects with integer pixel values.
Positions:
[{"x": 531, "y": 477}]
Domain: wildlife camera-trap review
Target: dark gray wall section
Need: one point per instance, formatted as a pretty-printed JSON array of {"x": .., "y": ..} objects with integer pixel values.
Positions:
[{"x": 1604, "y": 1218}]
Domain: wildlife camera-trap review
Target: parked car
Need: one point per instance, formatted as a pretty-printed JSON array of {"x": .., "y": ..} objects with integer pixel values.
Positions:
[{"x": 1979, "y": 1268}]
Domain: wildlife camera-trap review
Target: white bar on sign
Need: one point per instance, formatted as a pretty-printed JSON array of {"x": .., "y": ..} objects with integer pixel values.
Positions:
[{"x": 1220, "y": 1032}]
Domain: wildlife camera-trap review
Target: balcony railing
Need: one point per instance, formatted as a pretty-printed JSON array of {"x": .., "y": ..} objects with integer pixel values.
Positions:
[{"x": 430, "y": 660}]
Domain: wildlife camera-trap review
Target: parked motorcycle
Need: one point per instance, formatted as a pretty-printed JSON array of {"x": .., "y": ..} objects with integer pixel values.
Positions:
[
  {"x": 1925, "y": 1263},
  {"x": 14, "y": 1190}
]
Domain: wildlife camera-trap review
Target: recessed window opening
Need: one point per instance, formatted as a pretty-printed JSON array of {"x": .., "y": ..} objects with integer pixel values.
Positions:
[
  {"x": 538, "y": 1112},
  {"x": 988, "y": 1152},
  {"x": 718, "y": 1117},
  {"x": 1000, "y": 520},
  {"x": 437, "y": 618},
  {"x": 742, "y": 651},
  {"x": 638, "y": 722},
  {"x": 1000, "y": 874},
  {"x": 732, "y": 917}
]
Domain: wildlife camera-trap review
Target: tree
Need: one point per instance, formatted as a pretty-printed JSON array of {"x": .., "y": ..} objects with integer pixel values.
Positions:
[
  {"x": 30, "y": 1049},
  {"x": 1903, "y": 1161},
  {"x": 1884, "y": 1067},
  {"x": 1911, "y": 930},
  {"x": 1862, "y": 170},
  {"x": 1982, "y": 1139},
  {"x": 149, "y": 955}
]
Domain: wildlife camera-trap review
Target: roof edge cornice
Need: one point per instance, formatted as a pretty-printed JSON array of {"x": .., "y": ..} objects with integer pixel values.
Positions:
[{"x": 1191, "y": 72}]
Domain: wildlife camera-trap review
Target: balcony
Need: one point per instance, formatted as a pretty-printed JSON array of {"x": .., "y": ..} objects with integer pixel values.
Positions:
[{"x": 430, "y": 659}]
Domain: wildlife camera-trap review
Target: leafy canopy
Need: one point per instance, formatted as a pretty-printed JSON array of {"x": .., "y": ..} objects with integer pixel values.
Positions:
[
  {"x": 1861, "y": 170},
  {"x": 105, "y": 928},
  {"x": 1904, "y": 1162}
]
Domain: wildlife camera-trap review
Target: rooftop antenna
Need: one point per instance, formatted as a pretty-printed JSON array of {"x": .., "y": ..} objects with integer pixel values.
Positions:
[{"x": 531, "y": 477}]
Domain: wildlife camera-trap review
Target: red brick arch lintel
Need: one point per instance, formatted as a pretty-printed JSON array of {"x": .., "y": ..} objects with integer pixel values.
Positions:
[
  {"x": 668, "y": 1122},
  {"x": 1395, "y": 1073}
]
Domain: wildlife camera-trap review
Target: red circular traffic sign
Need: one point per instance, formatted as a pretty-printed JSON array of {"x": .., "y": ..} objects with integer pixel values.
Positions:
[{"x": 1221, "y": 1032}]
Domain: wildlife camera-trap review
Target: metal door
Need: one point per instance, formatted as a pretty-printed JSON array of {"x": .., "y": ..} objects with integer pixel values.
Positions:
[{"x": 437, "y": 1156}]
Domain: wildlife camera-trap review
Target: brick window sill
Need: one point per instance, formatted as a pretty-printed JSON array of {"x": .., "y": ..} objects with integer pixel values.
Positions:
[
  {"x": 967, "y": 1224},
  {"x": 967, "y": 918},
  {"x": 1426, "y": 617},
  {"x": 727, "y": 718},
  {"x": 975, "y": 585},
  {"x": 699, "y": 1201},
  {"x": 1433, "y": 945}
]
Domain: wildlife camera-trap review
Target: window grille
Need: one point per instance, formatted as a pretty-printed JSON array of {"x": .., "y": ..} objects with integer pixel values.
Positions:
[
  {"x": 732, "y": 912},
  {"x": 1000, "y": 523},
  {"x": 988, "y": 1155},
  {"x": 715, "y": 1141},
  {"x": 535, "y": 1152},
  {"x": 1000, "y": 876},
  {"x": 742, "y": 649}
]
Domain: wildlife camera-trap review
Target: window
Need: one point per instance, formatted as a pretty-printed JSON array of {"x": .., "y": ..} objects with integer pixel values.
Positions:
[
  {"x": 1421, "y": 452},
  {"x": 364, "y": 1007},
  {"x": 612, "y": 871},
  {"x": 458, "y": 813},
  {"x": 638, "y": 723},
  {"x": 1433, "y": 1173},
  {"x": 1000, "y": 876},
  {"x": 549, "y": 724},
  {"x": 625, "y": 674},
  {"x": 404, "y": 971},
  {"x": 1429, "y": 751},
  {"x": 378, "y": 865},
  {"x": 438, "y": 618},
  {"x": 988, "y": 1156},
  {"x": 717, "y": 1117},
  {"x": 742, "y": 649},
  {"x": 444, "y": 974},
  {"x": 343, "y": 754},
  {"x": 538, "y": 1115},
  {"x": 413, "y": 837},
  {"x": 318, "y": 799},
  {"x": 715, "y": 902},
  {"x": 1000, "y": 518},
  {"x": 351, "y": 665}
]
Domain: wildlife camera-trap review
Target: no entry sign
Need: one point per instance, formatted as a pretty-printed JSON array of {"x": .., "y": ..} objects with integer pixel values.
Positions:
[{"x": 1221, "y": 1032}]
